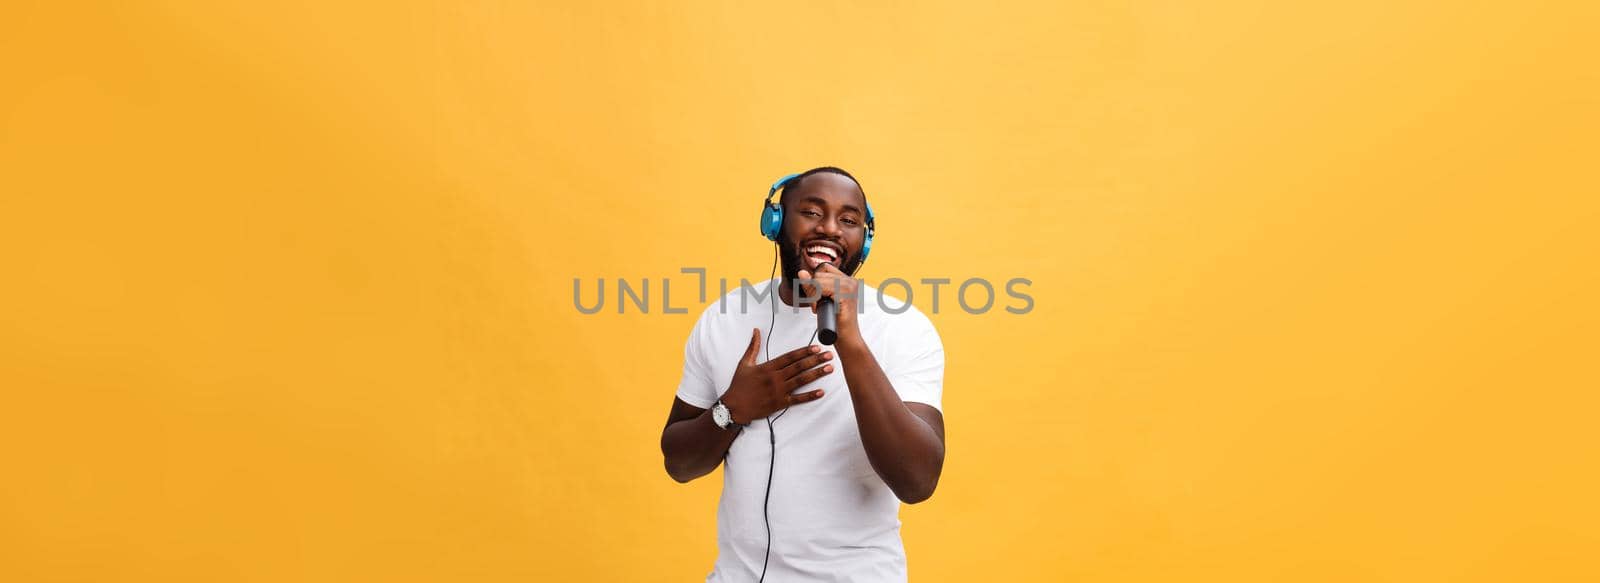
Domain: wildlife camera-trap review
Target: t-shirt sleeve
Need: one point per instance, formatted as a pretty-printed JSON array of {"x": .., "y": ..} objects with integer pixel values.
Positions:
[
  {"x": 695, "y": 387},
  {"x": 916, "y": 367}
]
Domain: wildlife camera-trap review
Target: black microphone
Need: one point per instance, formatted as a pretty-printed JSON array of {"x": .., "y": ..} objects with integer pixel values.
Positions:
[
  {"x": 827, "y": 321},
  {"x": 827, "y": 317}
]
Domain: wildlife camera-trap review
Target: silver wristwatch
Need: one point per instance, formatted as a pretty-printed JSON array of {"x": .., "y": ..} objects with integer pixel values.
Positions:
[{"x": 721, "y": 416}]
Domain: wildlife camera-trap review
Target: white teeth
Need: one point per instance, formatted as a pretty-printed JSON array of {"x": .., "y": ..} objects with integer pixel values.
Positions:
[{"x": 821, "y": 249}]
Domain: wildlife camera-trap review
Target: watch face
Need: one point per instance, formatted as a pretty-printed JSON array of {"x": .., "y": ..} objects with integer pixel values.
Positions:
[{"x": 719, "y": 414}]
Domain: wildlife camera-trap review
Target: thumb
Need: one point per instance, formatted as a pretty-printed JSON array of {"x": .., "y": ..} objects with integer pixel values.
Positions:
[{"x": 755, "y": 343}]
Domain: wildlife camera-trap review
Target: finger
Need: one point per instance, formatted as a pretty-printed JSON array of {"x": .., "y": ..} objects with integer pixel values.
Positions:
[
  {"x": 755, "y": 344},
  {"x": 802, "y": 379},
  {"x": 808, "y": 361},
  {"x": 788, "y": 358},
  {"x": 808, "y": 284},
  {"x": 825, "y": 282},
  {"x": 820, "y": 290},
  {"x": 805, "y": 397}
]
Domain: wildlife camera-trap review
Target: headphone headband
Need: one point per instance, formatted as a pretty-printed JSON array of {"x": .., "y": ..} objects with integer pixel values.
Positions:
[{"x": 780, "y": 184}]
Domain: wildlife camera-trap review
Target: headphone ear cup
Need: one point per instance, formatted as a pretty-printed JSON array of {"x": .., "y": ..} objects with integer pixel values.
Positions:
[
  {"x": 771, "y": 221},
  {"x": 866, "y": 248},
  {"x": 872, "y": 229}
]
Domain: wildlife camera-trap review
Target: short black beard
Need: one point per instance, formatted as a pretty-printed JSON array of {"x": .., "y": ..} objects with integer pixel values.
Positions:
[{"x": 790, "y": 255}]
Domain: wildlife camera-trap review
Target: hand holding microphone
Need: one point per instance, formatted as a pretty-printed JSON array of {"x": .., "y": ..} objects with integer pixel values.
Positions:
[{"x": 830, "y": 283}]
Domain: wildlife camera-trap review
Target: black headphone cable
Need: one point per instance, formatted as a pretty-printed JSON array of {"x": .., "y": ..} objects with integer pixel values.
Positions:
[{"x": 772, "y": 436}]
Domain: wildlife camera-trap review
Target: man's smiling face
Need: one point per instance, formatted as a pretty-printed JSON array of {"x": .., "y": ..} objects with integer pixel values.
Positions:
[{"x": 824, "y": 220}]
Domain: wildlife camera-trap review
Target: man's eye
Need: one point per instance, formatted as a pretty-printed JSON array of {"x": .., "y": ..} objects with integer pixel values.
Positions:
[
  {"x": 810, "y": 213},
  {"x": 848, "y": 221}
]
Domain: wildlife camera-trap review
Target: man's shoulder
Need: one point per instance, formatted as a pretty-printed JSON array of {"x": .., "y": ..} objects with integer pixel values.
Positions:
[
  {"x": 892, "y": 309},
  {"x": 739, "y": 303}
]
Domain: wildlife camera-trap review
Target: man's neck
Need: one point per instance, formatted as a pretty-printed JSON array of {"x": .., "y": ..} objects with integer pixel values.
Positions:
[{"x": 786, "y": 293}]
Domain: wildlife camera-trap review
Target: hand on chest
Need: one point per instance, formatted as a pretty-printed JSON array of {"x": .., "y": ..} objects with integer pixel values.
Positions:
[{"x": 831, "y": 383}]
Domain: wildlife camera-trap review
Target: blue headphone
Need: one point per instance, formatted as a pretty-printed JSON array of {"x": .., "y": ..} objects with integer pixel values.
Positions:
[{"x": 772, "y": 219}]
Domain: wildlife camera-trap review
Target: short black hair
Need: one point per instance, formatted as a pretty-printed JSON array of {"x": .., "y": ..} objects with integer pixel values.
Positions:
[{"x": 795, "y": 182}]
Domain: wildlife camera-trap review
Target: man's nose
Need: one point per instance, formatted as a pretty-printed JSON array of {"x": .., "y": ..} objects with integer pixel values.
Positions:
[{"x": 829, "y": 226}]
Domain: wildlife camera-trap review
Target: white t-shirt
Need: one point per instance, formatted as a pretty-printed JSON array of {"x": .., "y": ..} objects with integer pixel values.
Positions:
[{"x": 832, "y": 517}]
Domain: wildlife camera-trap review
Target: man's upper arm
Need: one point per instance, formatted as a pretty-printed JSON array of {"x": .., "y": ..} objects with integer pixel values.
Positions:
[
  {"x": 915, "y": 366},
  {"x": 694, "y": 387}
]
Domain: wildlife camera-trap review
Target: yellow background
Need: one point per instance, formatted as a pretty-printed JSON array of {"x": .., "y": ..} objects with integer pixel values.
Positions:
[{"x": 287, "y": 286}]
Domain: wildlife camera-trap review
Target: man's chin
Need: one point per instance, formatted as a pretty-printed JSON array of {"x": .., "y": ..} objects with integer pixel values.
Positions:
[
  {"x": 791, "y": 272},
  {"x": 793, "y": 267}
]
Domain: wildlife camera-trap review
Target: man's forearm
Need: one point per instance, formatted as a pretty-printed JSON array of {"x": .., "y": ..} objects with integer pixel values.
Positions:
[
  {"x": 903, "y": 449},
  {"x": 695, "y": 446}
]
